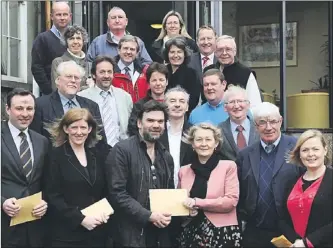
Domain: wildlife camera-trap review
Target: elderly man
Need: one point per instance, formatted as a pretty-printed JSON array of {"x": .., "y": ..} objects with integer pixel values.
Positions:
[
  {"x": 106, "y": 44},
  {"x": 130, "y": 73},
  {"x": 235, "y": 72},
  {"x": 47, "y": 46},
  {"x": 264, "y": 173},
  {"x": 212, "y": 111},
  {"x": 23, "y": 157},
  {"x": 115, "y": 104},
  {"x": 238, "y": 131},
  {"x": 52, "y": 107}
]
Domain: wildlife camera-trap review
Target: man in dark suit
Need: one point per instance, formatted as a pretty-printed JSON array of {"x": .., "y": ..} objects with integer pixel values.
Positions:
[
  {"x": 53, "y": 106},
  {"x": 238, "y": 131},
  {"x": 23, "y": 156},
  {"x": 206, "y": 41},
  {"x": 263, "y": 174}
]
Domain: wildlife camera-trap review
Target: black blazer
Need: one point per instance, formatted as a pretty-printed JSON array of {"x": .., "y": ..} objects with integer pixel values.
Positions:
[
  {"x": 15, "y": 184},
  {"x": 157, "y": 50},
  {"x": 186, "y": 151},
  {"x": 70, "y": 189},
  {"x": 319, "y": 229},
  {"x": 49, "y": 109},
  {"x": 188, "y": 79},
  {"x": 284, "y": 173},
  {"x": 229, "y": 147}
]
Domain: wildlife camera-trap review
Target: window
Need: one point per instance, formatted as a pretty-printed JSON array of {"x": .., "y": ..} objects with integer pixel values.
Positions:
[{"x": 14, "y": 41}]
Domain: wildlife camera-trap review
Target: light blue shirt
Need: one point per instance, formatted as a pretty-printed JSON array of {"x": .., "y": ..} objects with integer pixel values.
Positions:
[
  {"x": 122, "y": 66},
  {"x": 208, "y": 113},
  {"x": 276, "y": 142},
  {"x": 64, "y": 102},
  {"x": 246, "y": 132},
  {"x": 56, "y": 32}
]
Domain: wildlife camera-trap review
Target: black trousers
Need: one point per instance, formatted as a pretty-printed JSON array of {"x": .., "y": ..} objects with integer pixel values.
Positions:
[{"x": 257, "y": 237}]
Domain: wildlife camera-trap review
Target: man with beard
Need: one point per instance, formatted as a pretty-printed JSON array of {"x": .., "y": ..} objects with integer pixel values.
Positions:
[
  {"x": 133, "y": 167},
  {"x": 115, "y": 104}
]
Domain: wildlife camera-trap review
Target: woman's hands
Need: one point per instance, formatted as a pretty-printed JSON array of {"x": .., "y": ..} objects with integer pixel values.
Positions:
[
  {"x": 298, "y": 243},
  {"x": 91, "y": 222},
  {"x": 190, "y": 204}
]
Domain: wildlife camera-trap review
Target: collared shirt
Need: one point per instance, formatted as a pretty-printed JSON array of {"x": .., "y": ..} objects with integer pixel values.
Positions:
[
  {"x": 56, "y": 32},
  {"x": 246, "y": 132},
  {"x": 175, "y": 140},
  {"x": 209, "y": 61},
  {"x": 122, "y": 66},
  {"x": 209, "y": 113},
  {"x": 17, "y": 139},
  {"x": 114, "y": 38},
  {"x": 64, "y": 101},
  {"x": 276, "y": 142}
]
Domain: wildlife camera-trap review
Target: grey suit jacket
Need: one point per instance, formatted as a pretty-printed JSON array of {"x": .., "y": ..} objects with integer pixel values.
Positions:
[
  {"x": 123, "y": 101},
  {"x": 229, "y": 147},
  {"x": 15, "y": 184},
  {"x": 196, "y": 64}
]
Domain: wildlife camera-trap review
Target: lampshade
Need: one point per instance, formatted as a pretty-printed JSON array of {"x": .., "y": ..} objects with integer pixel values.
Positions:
[{"x": 156, "y": 26}]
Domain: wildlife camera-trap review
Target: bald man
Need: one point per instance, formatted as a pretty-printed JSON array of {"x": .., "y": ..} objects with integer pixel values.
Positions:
[
  {"x": 47, "y": 46},
  {"x": 107, "y": 44}
]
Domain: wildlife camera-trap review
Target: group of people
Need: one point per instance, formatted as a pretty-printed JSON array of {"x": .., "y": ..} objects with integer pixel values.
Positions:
[{"x": 113, "y": 124}]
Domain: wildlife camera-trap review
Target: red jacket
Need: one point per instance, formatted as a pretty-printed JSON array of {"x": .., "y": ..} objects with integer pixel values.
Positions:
[{"x": 140, "y": 88}]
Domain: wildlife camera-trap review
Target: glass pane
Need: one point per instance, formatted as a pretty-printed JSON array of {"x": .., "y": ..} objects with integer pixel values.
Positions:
[
  {"x": 204, "y": 8},
  {"x": 4, "y": 18},
  {"x": 13, "y": 18},
  {"x": 309, "y": 73},
  {"x": 4, "y": 55},
  {"x": 256, "y": 33},
  {"x": 14, "y": 57}
]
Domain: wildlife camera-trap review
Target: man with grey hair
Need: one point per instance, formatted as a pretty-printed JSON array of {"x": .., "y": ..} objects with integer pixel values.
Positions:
[
  {"x": 238, "y": 131},
  {"x": 235, "y": 73},
  {"x": 54, "y": 106},
  {"x": 106, "y": 44},
  {"x": 47, "y": 46},
  {"x": 264, "y": 173},
  {"x": 130, "y": 74}
]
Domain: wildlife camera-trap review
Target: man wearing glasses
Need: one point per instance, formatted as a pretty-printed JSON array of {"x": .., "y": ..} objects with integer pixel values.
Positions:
[
  {"x": 54, "y": 106},
  {"x": 133, "y": 167},
  {"x": 235, "y": 73},
  {"x": 238, "y": 131},
  {"x": 264, "y": 173}
]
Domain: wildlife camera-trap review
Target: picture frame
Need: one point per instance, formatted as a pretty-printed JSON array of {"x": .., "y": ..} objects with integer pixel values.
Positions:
[{"x": 259, "y": 45}]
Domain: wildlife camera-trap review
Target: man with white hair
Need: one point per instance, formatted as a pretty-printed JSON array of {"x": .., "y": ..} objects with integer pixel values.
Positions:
[
  {"x": 107, "y": 44},
  {"x": 235, "y": 73},
  {"x": 264, "y": 173},
  {"x": 238, "y": 131},
  {"x": 54, "y": 106}
]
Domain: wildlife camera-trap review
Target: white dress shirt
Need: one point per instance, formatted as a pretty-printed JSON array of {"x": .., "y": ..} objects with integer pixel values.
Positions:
[
  {"x": 175, "y": 140},
  {"x": 17, "y": 139},
  {"x": 209, "y": 61},
  {"x": 133, "y": 73}
]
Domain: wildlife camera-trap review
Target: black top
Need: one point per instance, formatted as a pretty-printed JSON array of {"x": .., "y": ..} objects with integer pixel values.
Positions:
[
  {"x": 45, "y": 49},
  {"x": 307, "y": 183}
]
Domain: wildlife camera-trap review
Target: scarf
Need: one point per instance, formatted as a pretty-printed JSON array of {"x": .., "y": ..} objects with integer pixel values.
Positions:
[{"x": 202, "y": 174}]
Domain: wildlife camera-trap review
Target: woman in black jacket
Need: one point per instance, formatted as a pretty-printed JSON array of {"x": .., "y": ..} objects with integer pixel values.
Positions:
[
  {"x": 177, "y": 57},
  {"x": 172, "y": 25},
  {"x": 75, "y": 180}
]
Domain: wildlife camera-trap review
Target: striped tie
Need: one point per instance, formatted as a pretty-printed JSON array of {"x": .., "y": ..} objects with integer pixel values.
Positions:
[
  {"x": 108, "y": 123},
  {"x": 25, "y": 155},
  {"x": 127, "y": 72}
]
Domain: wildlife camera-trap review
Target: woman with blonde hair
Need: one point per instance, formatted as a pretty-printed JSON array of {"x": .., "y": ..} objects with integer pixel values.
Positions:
[
  {"x": 308, "y": 210},
  {"x": 213, "y": 193},
  {"x": 75, "y": 180},
  {"x": 172, "y": 25}
]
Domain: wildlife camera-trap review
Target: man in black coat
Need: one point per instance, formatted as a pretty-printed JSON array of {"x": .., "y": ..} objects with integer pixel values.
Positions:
[
  {"x": 23, "y": 157},
  {"x": 133, "y": 167},
  {"x": 52, "y": 107},
  {"x": 235, "y": 72}
]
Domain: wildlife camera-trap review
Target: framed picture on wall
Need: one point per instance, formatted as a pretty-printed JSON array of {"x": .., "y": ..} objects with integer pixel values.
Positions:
[{"x": 259, "y": 45}]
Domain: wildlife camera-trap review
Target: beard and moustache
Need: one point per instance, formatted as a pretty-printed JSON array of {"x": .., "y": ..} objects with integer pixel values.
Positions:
[{"x": 147, "y": 136}]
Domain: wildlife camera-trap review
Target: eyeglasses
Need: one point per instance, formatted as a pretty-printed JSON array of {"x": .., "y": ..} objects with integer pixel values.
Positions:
[
  {"x": 226, "y": 49},
  {"x": 239, "y": 102},
  {"x": 154, "y": 176},
  {"x": 264, "y": 123},
  {"x": 70, "y": 77}
]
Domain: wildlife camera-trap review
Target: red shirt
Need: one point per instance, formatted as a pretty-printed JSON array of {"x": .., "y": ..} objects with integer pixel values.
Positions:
[{"x": 299, "y": 205}]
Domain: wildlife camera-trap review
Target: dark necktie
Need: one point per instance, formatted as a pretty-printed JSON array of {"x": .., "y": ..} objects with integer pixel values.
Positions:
[
  {"x": 25, "y": 155},
  {"x": 241, "y": 142},
  {"x": 204, "y": 62},
  {"x": 127, "y": 72},
  {"x": 71, "y": 104},
  {"x": 269, "y": 148}
]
